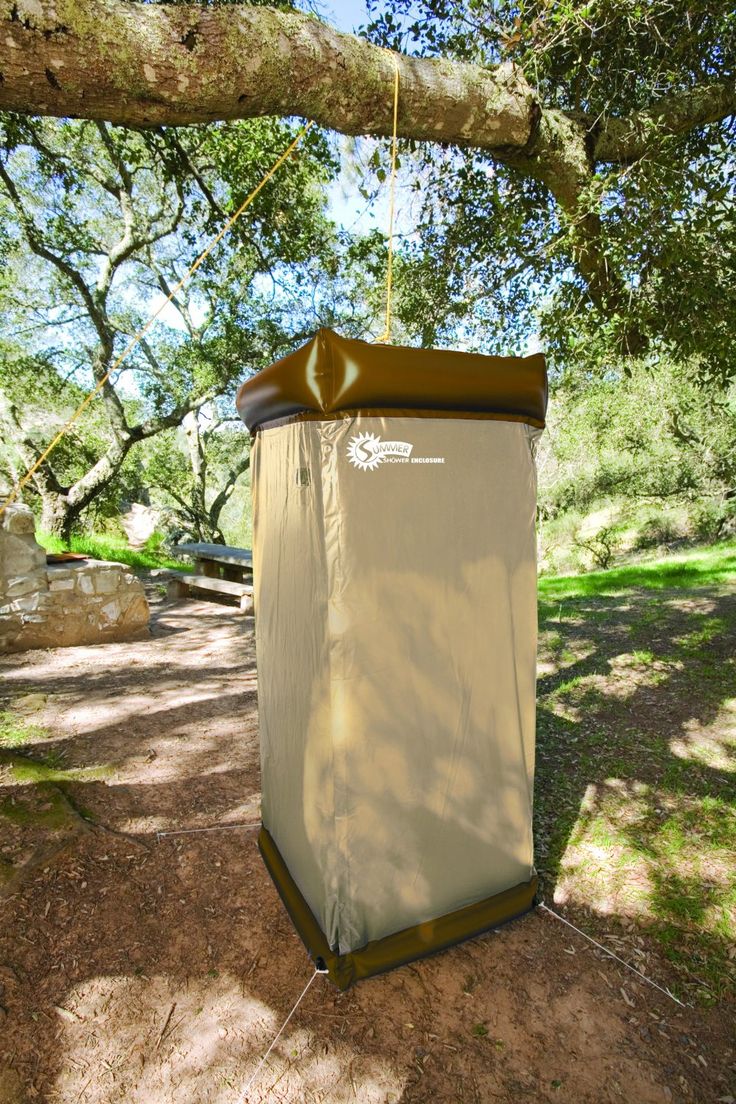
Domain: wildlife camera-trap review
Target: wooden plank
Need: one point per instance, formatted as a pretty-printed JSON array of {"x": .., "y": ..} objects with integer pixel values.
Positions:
[
  {"x": 219, "y": 553},
  {"x": 222, "y": 586}
]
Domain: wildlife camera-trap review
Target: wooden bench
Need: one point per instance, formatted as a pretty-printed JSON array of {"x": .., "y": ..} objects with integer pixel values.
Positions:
[{"x": 182, "y": 585}]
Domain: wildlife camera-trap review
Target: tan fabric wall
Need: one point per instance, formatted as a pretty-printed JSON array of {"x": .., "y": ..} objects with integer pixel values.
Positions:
[{"x": 396, "y": 635}]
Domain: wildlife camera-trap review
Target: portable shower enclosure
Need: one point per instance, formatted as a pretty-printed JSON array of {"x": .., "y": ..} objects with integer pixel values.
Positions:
[{"x": 395, "y": 599}]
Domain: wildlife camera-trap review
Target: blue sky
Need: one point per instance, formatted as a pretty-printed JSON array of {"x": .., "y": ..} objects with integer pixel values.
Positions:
[
  {"x": 348, "y": 15},
  {"x": 347, "y": 206}
]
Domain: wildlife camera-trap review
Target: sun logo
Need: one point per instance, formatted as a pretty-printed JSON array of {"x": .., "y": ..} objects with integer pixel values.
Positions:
[{"x": 364, "y": 451}]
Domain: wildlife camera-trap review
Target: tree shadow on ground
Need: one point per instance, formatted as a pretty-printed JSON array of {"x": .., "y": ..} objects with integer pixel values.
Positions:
[
  {"x": 137, "y": 970},
  {"x": 635, "y": 780}
]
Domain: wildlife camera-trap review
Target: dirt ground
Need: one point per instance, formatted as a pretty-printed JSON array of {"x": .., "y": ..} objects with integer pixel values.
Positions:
[{"x": 156, "y": 969}]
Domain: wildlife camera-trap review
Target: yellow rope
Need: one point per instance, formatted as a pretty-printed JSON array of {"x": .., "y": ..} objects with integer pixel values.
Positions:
[
  {"x": 386, "y": 335},
  {"x": 134, "y": 340}
]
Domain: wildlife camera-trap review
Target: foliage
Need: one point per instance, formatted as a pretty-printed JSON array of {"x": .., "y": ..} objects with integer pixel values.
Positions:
[
  {"x": 44, "y": 399},
  {"x": 192, "y": 472},
  {"x": 595, "y": 57},
  {"x": 654, "y": 436},
  {"x": 489, "y": 260},
  {"x": 669, "y": 228},
  {"x": 665, "y": 222},
  {"x": 101, "y": 222}
]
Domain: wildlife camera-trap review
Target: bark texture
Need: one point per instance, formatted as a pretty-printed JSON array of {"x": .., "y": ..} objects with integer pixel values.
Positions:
[{"x": 143, "y": 66}]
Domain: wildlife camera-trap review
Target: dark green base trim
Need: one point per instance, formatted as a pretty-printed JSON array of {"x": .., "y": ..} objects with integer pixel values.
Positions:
[{"x": 401, "y": 947}]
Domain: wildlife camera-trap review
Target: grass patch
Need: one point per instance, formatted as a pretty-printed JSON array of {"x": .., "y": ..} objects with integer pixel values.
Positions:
[
  {"x": 115, "y": 549},
  {"x": 670, "y": 868},
  {"x": 49, "y": 811},
  {"x": 37, "y": 771},
  {"x": 15, "y": 732},
  {"x": 701, "y": 567},
  {"x": 635, "y": 794},
  {"x": 36, "y": 796},
  {"x": 17, "y": 736}
]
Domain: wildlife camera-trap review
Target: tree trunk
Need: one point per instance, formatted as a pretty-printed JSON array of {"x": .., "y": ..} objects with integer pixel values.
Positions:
[
  {"x": 222, "y": 497},
  {"x": 58, "y": 517},
  {"x": 198, "y": 464}
]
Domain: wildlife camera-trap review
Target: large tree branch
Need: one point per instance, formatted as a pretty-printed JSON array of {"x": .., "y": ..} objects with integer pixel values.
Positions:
[
  {"x": 158, "y": 422},
  {"x": 626, "y": 140},
  {"x": 144, "y": 65},
  {"x": 99, "y": 475}
]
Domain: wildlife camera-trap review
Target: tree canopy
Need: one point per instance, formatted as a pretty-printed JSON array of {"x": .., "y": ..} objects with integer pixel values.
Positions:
[
  {"x": 572, "y": 179},
  {"x": 607, "y": 127},
  {"x": 99, "y": 225},
  {"x": 644, "y": 258}
]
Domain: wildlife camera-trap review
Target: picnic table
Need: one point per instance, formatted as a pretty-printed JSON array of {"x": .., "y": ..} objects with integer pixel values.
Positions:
[{"x": 219, "y": 568}]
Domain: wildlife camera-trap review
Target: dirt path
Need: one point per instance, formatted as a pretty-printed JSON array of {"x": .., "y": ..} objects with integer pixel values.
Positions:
[{"x": 152, "y": 971}]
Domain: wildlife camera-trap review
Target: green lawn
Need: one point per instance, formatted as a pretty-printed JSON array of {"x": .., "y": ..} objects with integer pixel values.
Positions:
[
  {"x": 100, "y": 547},
  {"x": 699, "y": 567}
]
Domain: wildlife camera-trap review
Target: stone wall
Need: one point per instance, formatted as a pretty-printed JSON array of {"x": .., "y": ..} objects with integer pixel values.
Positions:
[{"x": 58, "y": 605}]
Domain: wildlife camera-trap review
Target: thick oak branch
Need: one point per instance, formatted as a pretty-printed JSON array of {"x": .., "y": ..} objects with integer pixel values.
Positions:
[
  {"x": 625, "y": 140},
  {"x": 159, "y": 64},
  {"x": 145, "y": 65}
]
